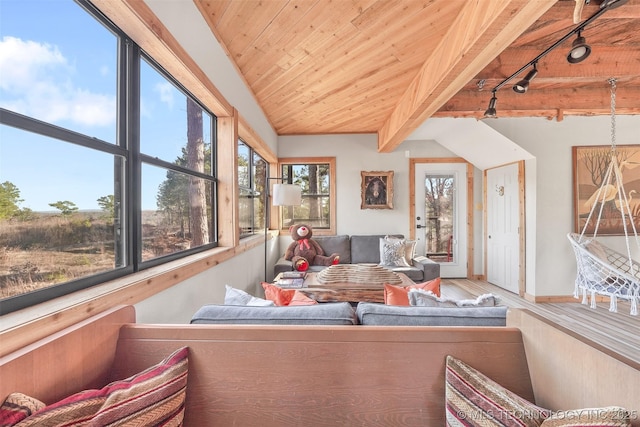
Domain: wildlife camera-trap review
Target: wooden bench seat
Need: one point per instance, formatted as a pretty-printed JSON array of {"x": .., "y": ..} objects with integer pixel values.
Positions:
[{"x": 272, "y": 375}]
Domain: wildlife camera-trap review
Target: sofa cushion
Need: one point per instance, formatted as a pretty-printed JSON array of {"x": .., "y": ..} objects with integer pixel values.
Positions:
[
  {"x": 366, "y": 249},
  {"x": 381, "y": 314},
  {"x": 473, "y": 399},
  {"x": 398, "y": 295},
  {"x": 155, "y": 395},
  {"x": 336, "y": 244},
  {"x": 338, "y": 313},
  {"x": 413, "y": 273}
]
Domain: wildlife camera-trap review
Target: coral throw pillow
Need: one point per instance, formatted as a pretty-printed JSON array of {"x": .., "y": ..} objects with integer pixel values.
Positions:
[
  {"x": 301, "y": 299},
  {"x": 276, "y": 294},
  {"x": 399, "y": 295},
  {"x": 285, "y": 297}
]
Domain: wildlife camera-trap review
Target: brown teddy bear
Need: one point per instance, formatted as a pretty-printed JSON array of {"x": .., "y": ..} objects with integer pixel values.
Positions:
[{"x": 304, "y": 251}]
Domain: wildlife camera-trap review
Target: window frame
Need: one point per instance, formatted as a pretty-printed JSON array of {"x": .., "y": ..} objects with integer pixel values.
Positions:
[
  {"x": 252, "y": 190},
  {"x": 331, "y": 161}
]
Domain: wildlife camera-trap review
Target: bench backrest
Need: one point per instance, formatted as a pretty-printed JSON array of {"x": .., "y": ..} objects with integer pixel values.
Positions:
[
  {"x": 76, "y": 358},
  {"x": 317, "y": 375}
]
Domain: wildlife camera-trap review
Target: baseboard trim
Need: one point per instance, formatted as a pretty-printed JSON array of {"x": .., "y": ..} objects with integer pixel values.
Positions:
[{"x": 558, "y": 298}]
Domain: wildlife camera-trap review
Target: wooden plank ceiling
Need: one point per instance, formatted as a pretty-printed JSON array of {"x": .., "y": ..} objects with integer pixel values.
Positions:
[{"x": 385, "y": 66}]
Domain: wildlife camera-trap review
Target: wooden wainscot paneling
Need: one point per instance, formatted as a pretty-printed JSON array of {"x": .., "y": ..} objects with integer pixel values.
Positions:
[{"x": 572, "y": 372}]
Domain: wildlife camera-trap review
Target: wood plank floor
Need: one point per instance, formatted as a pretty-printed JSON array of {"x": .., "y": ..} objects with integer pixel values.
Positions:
[{"x": 612, "y": 332}]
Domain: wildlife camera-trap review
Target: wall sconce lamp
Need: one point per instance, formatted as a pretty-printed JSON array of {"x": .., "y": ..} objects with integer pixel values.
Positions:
[
  {"x": 523, "y": 85},
  {"x": 491, "y": 110},
  {"x": 580, "y": 50}
]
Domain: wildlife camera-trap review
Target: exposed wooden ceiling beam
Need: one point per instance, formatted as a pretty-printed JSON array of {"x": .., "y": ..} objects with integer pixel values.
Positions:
[
  {"x": 578, "y": 101},
  {"x": 480, "y": 30},
  {"x": 554, "y": 66}
]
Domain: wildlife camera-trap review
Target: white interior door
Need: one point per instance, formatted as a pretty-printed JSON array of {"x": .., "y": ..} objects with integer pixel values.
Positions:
[
  {"x": 503, "y": 227},
  {"x": 441, "y": 213}
]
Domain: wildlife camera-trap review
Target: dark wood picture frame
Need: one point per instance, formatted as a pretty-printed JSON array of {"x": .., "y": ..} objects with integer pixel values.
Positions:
[
  {"x": 590, "y": 164},
  {"x": 376, "y": 190}
]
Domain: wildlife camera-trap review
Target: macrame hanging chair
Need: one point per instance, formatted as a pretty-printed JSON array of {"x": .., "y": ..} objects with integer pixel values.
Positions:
[{"x": 601, "y": 270}]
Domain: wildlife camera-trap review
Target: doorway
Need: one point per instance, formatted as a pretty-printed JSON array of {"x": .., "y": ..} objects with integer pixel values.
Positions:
[
  {"x": 440, "y": 215},
  {"x": 505, "y": 227}
]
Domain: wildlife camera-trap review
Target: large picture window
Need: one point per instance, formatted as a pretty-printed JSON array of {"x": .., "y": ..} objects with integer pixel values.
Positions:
[
  {"x": 316, "y": 176},
  {"x": 93, "y": 187}
]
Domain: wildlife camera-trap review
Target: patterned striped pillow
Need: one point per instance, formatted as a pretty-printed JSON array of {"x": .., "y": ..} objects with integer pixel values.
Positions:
[
  {"x": 611, "y": 416},
  {"x": 472, "y": 399},
  {"x": 16, "y": 407},
  {"x": 152, "y": 397}
]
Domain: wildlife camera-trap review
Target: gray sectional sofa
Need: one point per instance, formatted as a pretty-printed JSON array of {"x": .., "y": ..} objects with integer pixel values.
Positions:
[
  {"x": 342, "y": 313},
  {"x": 365, "y": 250}
]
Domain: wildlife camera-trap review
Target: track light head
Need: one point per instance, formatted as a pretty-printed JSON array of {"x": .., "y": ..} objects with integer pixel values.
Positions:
[
  {"x": 523, "y": 85},
  {"x": 491, "y": 111},
  {"x": 580, "y": 50}
]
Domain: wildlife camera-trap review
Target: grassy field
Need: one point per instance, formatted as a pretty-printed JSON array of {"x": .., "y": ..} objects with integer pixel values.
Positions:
[{"x": 52, "y": 249}]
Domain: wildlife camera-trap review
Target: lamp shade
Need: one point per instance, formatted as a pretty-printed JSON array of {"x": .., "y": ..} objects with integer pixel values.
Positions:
[{"x": 287, "y": 195}]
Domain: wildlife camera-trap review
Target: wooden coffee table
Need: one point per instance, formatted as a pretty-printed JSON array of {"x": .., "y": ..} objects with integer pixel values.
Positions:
[{"x": 345, "y": 291}]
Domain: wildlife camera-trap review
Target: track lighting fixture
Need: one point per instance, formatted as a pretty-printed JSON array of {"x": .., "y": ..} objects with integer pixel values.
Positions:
[
  {"x": 580, "y": 50},
  {"x": 523, "y": 85},
  {"x": 491, "y": 111}
]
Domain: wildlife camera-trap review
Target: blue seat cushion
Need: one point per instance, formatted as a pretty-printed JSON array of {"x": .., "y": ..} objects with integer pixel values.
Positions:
[
  {"x": 393, "y": 315},
  {"x": 339, "y": 313}
]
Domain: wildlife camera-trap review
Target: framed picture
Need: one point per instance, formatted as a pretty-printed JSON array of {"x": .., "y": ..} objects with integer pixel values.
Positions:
[
  {"x": 590, "y": 164},
  {"x": 377, "y": 190}
]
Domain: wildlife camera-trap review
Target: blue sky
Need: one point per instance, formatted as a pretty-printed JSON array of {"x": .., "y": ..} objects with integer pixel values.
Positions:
[{"x": 58, "y": 64}]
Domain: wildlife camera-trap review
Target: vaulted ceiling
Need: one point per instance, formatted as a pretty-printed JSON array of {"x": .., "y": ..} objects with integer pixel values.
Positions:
[{"x": 385, "y": 66}]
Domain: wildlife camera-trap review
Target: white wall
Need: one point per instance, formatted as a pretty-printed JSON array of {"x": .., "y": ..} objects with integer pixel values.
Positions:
[
  {"x": 178, "y": 303},
  {"x": 356, "y": 153},
  {"x": 550, "y": 180}
]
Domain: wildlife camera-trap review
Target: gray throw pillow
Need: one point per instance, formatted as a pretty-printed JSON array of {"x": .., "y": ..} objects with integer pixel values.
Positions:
[{"x": 422, "y": 298}]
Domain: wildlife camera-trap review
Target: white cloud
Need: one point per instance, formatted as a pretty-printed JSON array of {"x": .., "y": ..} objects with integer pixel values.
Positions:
[
  {"x": 37, "y": 81},
  {"x": 166, "y": 91}
]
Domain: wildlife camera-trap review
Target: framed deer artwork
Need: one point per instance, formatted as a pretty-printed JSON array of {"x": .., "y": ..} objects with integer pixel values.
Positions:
[{"x": 377, "y": 190}]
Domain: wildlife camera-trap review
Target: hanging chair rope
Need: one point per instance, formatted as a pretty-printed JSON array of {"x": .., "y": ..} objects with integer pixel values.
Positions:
[{"x": 601, "y": 270}]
